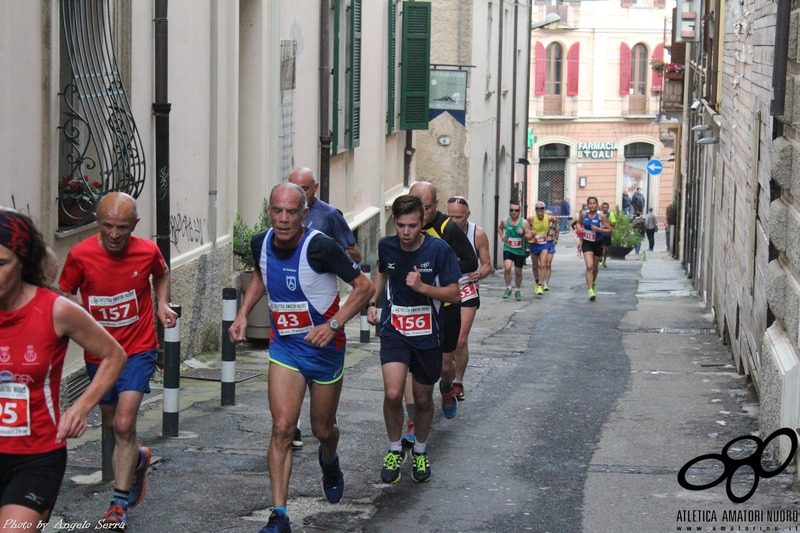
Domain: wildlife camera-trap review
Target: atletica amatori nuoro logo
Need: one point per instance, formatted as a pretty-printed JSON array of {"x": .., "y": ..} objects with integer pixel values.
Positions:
[{"x": 732, "y": 464}]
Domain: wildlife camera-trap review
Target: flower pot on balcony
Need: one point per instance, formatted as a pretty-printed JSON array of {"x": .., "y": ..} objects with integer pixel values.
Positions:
[
  {"x": 71, "y": 213},
  {"x": 673, "y": 75}
]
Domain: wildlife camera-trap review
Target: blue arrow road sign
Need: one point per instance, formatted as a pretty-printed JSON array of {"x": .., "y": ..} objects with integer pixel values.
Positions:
[{"x": 655, "y": 167}]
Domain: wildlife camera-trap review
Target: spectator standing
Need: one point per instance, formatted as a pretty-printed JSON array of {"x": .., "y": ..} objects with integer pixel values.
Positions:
[
  {"x": 638, "y": 224},
  {"x": 627, "y": 206},
  {"x": 651, "y": 227},
  {"x": 565, "y": 215},
  {"x": 638, "y": 201}
]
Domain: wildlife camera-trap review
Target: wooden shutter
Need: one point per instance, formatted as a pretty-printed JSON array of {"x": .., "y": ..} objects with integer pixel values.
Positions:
[
  {"x": 392, "y": 66},
  {"x": 573, "y": 66},
  {"x": 541, "y": 69},
  {"x": 624, "y": 70},
  {"x": 354, "y": 77},
  {"x": 660, "y": 4},
  {"x": 337, "y": 14},
  {"x": 658, "y": 76},
  {"x": 415, "y": 76},
  {"x": 627, "y": 3}
]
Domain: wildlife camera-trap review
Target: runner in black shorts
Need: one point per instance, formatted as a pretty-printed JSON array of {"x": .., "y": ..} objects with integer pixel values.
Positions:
[
  {"x": 595, "y": 224},
  {"x": 458, "y": 210},
  {"x": 418, "y": 274}
]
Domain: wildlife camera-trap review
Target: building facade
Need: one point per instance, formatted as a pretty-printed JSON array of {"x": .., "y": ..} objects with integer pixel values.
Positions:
[{"x": 596, "y": 91}]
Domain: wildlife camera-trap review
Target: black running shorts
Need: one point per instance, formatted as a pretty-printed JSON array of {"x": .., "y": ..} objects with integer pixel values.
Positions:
[
  {"x": 451, "y": 322},
  {"x": 424, "y": 364},
  {"x": 592, "y": 247},
  {"x": 32, "y": 481},
  {"x": 519, "y": 260}
]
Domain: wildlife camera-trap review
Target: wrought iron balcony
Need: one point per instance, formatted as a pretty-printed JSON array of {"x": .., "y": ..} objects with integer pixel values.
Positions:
[
  {"x": 636, "y": 105},
  {"x": 570, "y": 14},
  {"x": 556, "y": 106},
  {"x": 672, "y": 95}
]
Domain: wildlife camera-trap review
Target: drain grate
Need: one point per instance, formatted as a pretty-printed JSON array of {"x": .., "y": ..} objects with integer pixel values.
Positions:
[
  {"x": 691, "y": 331},
  {"x": 216, "y": 375}
]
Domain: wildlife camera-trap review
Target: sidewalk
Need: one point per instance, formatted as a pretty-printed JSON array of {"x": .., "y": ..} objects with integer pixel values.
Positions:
[{"x": 685, "y": 399}]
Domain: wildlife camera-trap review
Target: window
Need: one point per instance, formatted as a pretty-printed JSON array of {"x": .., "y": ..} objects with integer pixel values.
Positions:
[
  {"x": 416, "y": 63},
  {"x": 99, "y": 147},
  {"x": 346, "y": 81},
  {"x": 553, "y": 79},
  {"x": 639, "y": 70}
]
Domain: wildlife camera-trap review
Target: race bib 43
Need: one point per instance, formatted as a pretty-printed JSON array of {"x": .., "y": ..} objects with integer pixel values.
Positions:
[{"x": 291, "y": 318}]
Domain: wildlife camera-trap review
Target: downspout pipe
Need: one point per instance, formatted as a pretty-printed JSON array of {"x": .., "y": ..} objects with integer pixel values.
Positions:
[
  {"x": 498, "y": 95},
  {"x": 214, "y": 125},
  {"x": 325, "y": 139},
  {"x": 161, "y": 109},
  {"x": 514, "y": 109},
  {"x": 524, "y": 198}
]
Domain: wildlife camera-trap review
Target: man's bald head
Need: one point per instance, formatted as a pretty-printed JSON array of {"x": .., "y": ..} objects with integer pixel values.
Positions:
[
  {"x": 119, "y": 203},
  {"x": 425, "y": 191},
  {"x": 305, "y": 179}
]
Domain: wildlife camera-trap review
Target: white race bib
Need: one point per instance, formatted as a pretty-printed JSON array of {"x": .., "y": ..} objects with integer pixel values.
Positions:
[
  {"x": 412, "y": 321},
  {"x": 514, "y": 242},
  {"x": 115, "y": 311},
  {"x": 468, "y": 290},
  {"x": 539, "y": 239},
  {"x": 291, "y": 318},
  {"x": 588, "y": 235},
  {"x": 15, "y": 410}
]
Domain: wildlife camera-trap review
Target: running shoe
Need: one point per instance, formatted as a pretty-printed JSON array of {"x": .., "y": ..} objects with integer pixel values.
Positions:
[
  {"x": 539, "y": 289},
  {"x": 277, "y": 523},
  {"x": 421, "y": 471},
  {"x": 332, "y": 479},
  {"x": 592, "y": 295},
  {"x": 506, "y": 294},
  {"x": 390, "y": 473},
  {"x": 603, "y": 263},
  {"x": 139, "y": 483},
  {"x": 458, "y": 390},
  {"x": 297, "y": 440},
  {"x": 449, "y": 403},
  {"x": 410, "y": 436},
  {"x": 115, "y": 519},
  {"x": 545, "y": 287},
  {"x": 517, "y": 296}
]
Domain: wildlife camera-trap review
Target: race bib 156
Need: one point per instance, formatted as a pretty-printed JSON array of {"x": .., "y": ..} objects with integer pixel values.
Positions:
[{"x": 412, "y": 321}]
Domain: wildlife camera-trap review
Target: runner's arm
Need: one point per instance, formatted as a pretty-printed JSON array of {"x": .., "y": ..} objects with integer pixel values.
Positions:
[
  {"x": 459, "y": 242},
  {"x": 448, "y": 293},
  {"x": 363, "y": 290},
  {"x": 482, "y": 244},
  {"x": 501, "y": 230},
  {"x": 252, "y": 294},
  {"x": 73, "y": 321},
  {"x": 379, "y": 281},
  {"x": 168, "y": 317}
]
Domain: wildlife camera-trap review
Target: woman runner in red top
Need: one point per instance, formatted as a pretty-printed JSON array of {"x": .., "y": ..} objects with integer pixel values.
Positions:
[{"x": 35, "y": 327}]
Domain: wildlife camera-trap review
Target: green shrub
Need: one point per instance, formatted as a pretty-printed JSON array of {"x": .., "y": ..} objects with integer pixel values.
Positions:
[
  {"x": 243, "y": 234},
  {"x": 624, "y": 234},
  {"x": 672, "y": 215}
]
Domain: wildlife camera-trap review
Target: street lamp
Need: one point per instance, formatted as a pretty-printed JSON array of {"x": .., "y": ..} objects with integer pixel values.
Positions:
[{"x": 551, "y": 18}]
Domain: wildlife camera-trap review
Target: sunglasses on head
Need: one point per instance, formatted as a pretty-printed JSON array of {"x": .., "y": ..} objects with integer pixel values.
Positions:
[{"x": 458, "y": 200}]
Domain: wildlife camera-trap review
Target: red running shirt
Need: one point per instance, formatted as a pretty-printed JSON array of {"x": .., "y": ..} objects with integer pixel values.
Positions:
[
  {"x": 116, "y": 290},
  {"x": 31, "y": 360}
]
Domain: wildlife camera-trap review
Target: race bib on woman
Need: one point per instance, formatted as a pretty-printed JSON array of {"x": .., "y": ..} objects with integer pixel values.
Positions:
[
  {"x": 588, "y": 235},
  {"x": 15, "y": 410}
]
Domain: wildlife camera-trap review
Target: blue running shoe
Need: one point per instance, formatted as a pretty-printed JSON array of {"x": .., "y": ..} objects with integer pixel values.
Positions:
[
  {"x": 139, "y": 484},
  {"x": 332, "y": 479},
  {"x": 410, "y": 436},
  {"x": 115, "y": 519},
  {"x": 277, "y": 523},
  {"x": 449, "y": 403}
]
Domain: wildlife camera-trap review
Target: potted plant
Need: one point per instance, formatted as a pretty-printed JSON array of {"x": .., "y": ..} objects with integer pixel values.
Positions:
[
  {"x": 624, "y": 236},
  {"x": 657, "y": 64},
  {"x": 258, "y": 326},
  {"x": 77, "y": 198},
  {"x": 674, "y": 71}
]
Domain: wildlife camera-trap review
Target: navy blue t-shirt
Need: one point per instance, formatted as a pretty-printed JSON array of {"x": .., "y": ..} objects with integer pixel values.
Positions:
[
  {"x": 330, "y": 221},
  {"x": 420, "y": 316}
]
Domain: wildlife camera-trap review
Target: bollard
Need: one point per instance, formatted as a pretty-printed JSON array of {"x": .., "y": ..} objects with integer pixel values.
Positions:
[
  {"x": 364, "y": 323},
  {"x": 228, "y": 348},
  {"x": 172, "y": 376}
]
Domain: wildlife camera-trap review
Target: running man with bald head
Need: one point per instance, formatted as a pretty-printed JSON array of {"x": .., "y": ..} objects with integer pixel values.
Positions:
[
  {"x": 112, "y": 271},
  {"x": 437, "y": 224},
  {"x": 322, "y": 216}
]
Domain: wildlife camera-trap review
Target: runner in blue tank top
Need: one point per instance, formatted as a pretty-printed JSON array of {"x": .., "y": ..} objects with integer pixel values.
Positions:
[
  {"x": 298, "y": 269},
  {"x": 595, "y": 225}
]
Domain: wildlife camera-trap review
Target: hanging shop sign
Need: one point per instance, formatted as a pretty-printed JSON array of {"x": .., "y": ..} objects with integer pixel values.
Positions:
[
  {"x": 448, "y": 90},
  {"x": 597, "y": 150}
]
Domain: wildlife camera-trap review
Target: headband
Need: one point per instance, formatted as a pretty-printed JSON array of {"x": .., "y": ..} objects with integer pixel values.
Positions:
[{"x": 15, "y": 234}]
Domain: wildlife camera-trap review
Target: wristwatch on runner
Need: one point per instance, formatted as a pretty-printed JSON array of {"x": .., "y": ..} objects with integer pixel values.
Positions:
[{"x": 334, "y": 325}]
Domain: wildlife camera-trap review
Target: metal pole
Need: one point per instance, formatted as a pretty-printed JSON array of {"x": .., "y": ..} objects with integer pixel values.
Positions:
[
  {"x": 161, "y": 109},
  {"x": 172, "y": 376},
  {"x": 497, "y": 95},
  {"x": 228, "y": 348},
  {"x": 513, "y": 191},
  {"x": 325, "y": 139},
  {"x": 364, "y": 323}
]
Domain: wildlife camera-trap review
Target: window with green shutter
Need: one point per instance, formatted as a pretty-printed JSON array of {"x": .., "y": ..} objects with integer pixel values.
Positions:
[
  {"x": 391, "y": 66},
  {"x": 416, "y": 59},
  {"x": 354, "y": 77}
]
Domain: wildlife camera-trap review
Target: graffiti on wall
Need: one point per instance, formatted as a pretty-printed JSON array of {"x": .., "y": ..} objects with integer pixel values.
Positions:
[{"x": 187, "y": 229}]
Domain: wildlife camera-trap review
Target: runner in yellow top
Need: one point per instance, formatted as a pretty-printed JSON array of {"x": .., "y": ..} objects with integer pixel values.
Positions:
[
  {"x": 540, "y": 225},
  {"x": 612, "y": 219},
  {"x": 512, "y": 232}
]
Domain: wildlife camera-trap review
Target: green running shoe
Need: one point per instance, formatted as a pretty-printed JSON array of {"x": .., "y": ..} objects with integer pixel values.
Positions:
[
  {"x": 506, "y": 294},
  {"x": 517, "y": 296},
  {"x": 422, "y": 468},
  {"x": 592, "y": 295}
]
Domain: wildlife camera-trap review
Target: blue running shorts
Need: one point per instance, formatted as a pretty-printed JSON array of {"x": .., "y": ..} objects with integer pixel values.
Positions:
[
  {"x": 135, "y": 376},
  {"x": 323, "y": 368}
]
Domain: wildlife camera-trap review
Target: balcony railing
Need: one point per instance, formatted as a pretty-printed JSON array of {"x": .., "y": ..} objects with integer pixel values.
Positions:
[
  {"x": 556, "y": 106},
  {"x": 640, "y": 105},
  {"x": 570, "y": 14},
  {"x": 673, "y": 95}
]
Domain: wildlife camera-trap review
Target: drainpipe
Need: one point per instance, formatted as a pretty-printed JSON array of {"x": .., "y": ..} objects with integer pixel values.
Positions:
[
  {"x": 527, "y": 107},
  {"x": 161, "y": 109},
  {"x": 214, "y": 125},
  {"x": 498, "y": 94},
  {"x": 408, "y": 153},
  {"x": 325, "y": 139},
  {"x": 514, "y": 107}
]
